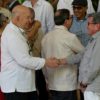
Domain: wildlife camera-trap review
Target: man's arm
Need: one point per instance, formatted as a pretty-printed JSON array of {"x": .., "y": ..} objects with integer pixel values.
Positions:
[
  {"x": 73, "y": 59},
  {"x": 94, "y": 65},
  {"x": 19, "y": 50}
]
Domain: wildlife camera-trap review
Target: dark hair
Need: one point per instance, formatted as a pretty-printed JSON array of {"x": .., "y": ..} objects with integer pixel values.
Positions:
[
  {"x": 80, "y": 2},
  {"x": 32, "y": 11},
  {"x": 62, "y": 16}
]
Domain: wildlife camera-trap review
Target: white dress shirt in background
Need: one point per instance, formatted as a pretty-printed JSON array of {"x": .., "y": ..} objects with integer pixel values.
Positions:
[
  {"x": 90, "y": 7},
  {"x": 67, "y": 4}
]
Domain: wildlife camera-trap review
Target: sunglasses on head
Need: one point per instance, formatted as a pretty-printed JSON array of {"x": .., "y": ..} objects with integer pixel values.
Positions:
[
  {"x": 89, "y": 23},
  {"x": 77, "y": 7}
]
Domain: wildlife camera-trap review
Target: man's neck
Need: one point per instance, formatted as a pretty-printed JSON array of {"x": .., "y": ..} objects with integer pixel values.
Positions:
[{"x": 82, "y": 17}]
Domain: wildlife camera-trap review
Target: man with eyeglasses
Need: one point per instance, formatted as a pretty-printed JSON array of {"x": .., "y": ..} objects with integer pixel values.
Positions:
[
  {"x": 89, "y": 70},
  {"x": 79, "y": 25}
]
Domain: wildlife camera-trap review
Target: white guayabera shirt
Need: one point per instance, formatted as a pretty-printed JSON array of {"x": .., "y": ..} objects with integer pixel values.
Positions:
[{"x": 18, "y": 67}]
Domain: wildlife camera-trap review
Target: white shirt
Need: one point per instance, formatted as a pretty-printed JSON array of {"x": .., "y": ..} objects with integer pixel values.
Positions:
[
  {"x": 44, "y": 13},
  {"x": 17, "y": 66},
  {"x": 65, "y": 4},
  {"x": 90, "y": 7},
  {"x": 60, "y": 43}
]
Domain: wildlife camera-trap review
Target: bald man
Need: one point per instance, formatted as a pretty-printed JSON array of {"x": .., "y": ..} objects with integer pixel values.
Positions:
[{"x": 17, "y": 77}]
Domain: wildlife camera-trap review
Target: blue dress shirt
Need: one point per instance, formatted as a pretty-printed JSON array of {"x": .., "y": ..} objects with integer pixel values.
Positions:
[{"x": 79, "y": 27}]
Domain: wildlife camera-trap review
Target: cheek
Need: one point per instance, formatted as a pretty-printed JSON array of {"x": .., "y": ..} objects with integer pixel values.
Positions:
[
  {"x": 91, "y": 29},
  {"x": 76, "y": 11},
  {"x": 25, "y": 23}
]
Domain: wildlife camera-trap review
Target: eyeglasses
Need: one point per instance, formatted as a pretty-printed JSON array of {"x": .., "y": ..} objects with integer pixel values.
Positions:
[
  {"x": 90, "y": 23},
  {"x": 77, "y": 7}
]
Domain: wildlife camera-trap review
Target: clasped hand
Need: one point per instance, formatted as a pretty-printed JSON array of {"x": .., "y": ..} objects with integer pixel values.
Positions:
[{"x": 54, "y": 62}]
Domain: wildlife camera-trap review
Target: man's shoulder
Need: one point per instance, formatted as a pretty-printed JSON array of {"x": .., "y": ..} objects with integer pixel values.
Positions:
[{"x": 46, "y": 3}]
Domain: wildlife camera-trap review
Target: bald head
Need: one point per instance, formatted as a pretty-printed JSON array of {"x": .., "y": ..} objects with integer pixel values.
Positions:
[
  {"x": 20, "y": 9},
  {"x": 22, "y": 16}
]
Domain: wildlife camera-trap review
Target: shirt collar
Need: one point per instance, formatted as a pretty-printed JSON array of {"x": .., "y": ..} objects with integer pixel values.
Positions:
[
  {"x": 16, "y": 28},
  {"x": 85, "y": 18},
  {"x": 96, "y": 35},
  {"x": 61, "y": 27}
]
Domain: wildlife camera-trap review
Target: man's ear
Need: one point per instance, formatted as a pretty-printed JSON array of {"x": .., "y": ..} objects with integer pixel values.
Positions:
[
  {"x": 66, "y": 22},
  {"x": 85, "y": 8},
  {"x": 18, "y": 18},
  {"x": 98, "y": 26}
]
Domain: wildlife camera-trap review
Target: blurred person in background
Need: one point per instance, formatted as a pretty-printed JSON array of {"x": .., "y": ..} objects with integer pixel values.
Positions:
[
  {"x": 4, "y": 11},
  {"x": 79, "y": 24},
  {"x": 93, "y": 6},
  {"x": 89, "y": 69}
]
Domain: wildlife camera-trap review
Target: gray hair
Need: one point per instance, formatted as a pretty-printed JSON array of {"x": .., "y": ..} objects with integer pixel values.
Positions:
[{"x": 96, "y": 17}]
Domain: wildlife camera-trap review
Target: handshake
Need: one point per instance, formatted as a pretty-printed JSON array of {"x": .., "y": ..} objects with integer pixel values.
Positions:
[{"x": 54, "y": 62}]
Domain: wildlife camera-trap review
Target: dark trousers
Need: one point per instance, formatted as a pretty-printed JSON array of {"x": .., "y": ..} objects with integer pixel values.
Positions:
[
  {"x": 63, "y": 95},
  {"x": 1, "y": 96},
  {"x": 81, "y": 96},
  {"x": 41, "y": 85},
  {"x": 21, "y": 96}
]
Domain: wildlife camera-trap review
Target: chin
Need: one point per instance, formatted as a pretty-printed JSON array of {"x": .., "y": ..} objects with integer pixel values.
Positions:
[
  {"x": 90, "y": 33},
  {"x": 30, "y": 26},
  {"x": 27, "y": 28}
]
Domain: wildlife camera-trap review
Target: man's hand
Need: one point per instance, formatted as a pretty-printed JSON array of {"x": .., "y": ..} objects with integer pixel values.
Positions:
[
  {"x": 62, "y": 61},
  {"x": 52, "y": 62},
  {"x": 83, "y": 87}
]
